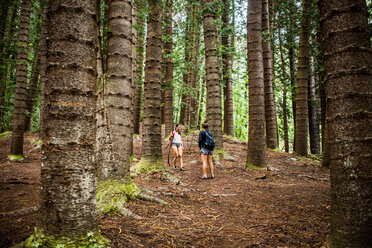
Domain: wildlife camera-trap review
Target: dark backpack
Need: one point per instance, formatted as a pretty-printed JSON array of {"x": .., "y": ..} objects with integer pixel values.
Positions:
[{"x": 209, "y": 140}]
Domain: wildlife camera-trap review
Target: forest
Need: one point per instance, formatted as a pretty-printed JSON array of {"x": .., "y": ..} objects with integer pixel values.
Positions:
[{"x": 93, "y": 92}]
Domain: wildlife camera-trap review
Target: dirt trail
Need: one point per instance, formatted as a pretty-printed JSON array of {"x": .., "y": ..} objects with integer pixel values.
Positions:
[{"x": 239, "y": 208}]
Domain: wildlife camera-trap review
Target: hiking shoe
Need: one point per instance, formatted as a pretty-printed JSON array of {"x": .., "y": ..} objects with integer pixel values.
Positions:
[
  {"x": 182, "y": 169},
  {"x": 212, "y": 176},
  {"x": 204, "y": 177}
]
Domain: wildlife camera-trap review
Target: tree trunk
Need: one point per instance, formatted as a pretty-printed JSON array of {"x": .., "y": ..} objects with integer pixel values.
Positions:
[
  {"x": 313, "y": 112},
  {"x": 214, "y": 113},
  {"x": 151, "y": 137},
  {"x": 4, "y": 7},
  {"x": 184, "y": 115},
  {"x": 139, "y": 69},
  {"x": 168, "y": 49},
  {"x": 32, "y": 89},
  {"x": 270, "y": 109},
  {"x": 348, "y": 68},
  {"x": 19, "y": 115},
  {"x": 5, "y": 53},
  {"x": 256, "y": 135},
  {"x": 68, "y": 171},
  {"x": 118, "y": 92},
  {"x": 284, "y": 78},
  {"x": 194, "y": 49},
  {"x": 302, "y": 82},
  {"x": 227, "y": 60}
]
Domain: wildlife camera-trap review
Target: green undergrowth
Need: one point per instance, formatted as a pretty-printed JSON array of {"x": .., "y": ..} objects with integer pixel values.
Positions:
[
  {"x": 252, "y": 167},
  {"x": 112, "y": 194},
  {"x": 6, "y": 134},
  {"x": 36, "y": 142},
  {"x": 220, "y": 153},
  {"x": 146, "y": 166},
  {"x": 90, "y": 240},
  {"x": 15, "y": 157}
]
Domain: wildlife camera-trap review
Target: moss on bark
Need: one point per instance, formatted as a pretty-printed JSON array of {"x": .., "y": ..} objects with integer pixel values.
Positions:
[{"x": 146, "y": 166}]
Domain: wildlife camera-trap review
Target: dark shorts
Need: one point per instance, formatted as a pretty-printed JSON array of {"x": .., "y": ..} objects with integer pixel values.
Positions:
[
  {"x": 176, "y": 144},
  {"x": 206, "y": 151}
]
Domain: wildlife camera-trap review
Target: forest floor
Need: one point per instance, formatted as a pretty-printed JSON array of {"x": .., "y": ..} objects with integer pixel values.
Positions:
[{"x": 287, "y": 207}]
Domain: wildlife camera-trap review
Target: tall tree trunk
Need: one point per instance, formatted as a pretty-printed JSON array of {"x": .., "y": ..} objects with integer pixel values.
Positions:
[
  {"x": 302, "y": 82},
  {"x": 168, "y": 49},
  {"x": 19, "y": 115},
  {"x": 313, "y": 112},
  {"x": 151, "y": 137},
  {"x": 270, "y": 108},
  {"x": 214, "y": 112},
  {"x": 284, "y": 78},
  {"x": 32, "y": 89},
  {"x": 184, "y": 115},
  {"x": 139, "y": 70},
  {"x": 194, "y": 48},
  {"x": 5, "y": 53},
  {"x": 68, "y": 172},
  {"x": 227, "y": 60},
  {"x": 4, "y": 7},
  {"x": 256, "y": 135},
  {"x": 134, "y": 69},
  {"x": 118, "y": 92},
  {"x": 348, "y": 68}
]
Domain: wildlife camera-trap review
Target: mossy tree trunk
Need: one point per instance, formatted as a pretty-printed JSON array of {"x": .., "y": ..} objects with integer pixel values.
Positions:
[
  {"x": 68, "y": 171},
  {"x": 302, "y": 83},
  {"x": 19, "y": 116},
  {"x": 256, "y": 134},
  {"x": 212, "y": 67},
  {"x": 348, "y": 73},
  {"x": 151, "y": 136}
]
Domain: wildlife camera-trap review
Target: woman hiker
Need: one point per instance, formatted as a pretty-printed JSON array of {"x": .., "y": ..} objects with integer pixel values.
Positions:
[
  {"x": 177, "y": 146},
  {"x": 206, "y": 145}
]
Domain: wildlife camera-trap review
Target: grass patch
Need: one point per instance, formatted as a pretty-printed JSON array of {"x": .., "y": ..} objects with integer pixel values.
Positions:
[
  {"x": 145, "y": 166},
  {"x": 6, "y": 134},
  {"x": 111, "y": 194}
]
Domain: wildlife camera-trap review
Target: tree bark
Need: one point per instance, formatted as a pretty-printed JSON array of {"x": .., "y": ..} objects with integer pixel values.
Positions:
[
  {"x": 118, "y": 93},
  {"x": 227, "y": 60},
  {"x": 270, "y": 108},
  {"x": 68, "y": 171},
  {"x": 4, "y": 7},
  {"x": 184, "y": 115},
  {"x": 313, "y": 112},
  {"x": 284, "y": 78},
  {"x": 19, "y": 115},
  {"x": 168, "y": 49},
  {"x": 256, "y": 134},
  {"x": 151, "y": 137},
  {"x": 348, "y": 73},
  {"x": 302, "y": 83},
  {"x": 214, "y": 113},
  {"x": 139, "y": 67}
]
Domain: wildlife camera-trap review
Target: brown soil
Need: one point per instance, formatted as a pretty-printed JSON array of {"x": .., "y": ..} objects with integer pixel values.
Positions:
[{"x": 239, "y": 208}]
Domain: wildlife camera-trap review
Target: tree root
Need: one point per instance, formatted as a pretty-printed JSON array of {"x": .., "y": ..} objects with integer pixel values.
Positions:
[
  {"x": 20, "y": 212},
  {"x": 151, "y": 198}
]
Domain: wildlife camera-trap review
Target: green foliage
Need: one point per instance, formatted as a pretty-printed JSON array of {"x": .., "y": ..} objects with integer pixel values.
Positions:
[
  {"x": 6, "y": 134},
  {"x": 92, "y": 239},
  {"x": 15, "y": 157}
]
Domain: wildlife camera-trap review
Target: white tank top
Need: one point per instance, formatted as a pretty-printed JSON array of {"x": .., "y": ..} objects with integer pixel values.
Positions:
[{"x": 177, "y": 138}]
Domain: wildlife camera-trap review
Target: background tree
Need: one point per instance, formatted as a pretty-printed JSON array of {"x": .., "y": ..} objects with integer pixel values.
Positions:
[
  {"x": 314, "y": 131},
  {"x": 348, "y": 69},
  {"x": 270, "y": 110},
  {"x": 227, "y": 63},
  {"x": 256, "y": 134},
  {"x": 214, "y": 112},
  {"x": 68, "y": 175},
  {"x": 19, "y": 116},
  {"x": 151, "y": 136},
  {"x": 302, "y": 83}
]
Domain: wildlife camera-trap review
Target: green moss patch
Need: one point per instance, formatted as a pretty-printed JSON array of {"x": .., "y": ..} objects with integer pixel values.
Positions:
[
  {"x": 252, "y": 167},
  {"x": 15, "y": 157},
  {"x": 146, "y": 166},
  {"x": 91, "y": 239},
  {"x": 111, "y": 195},
  {"x": 7, "y": 134}
]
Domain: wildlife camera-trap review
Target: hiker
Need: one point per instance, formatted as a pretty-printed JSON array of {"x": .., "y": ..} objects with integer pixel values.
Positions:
[
  {"x": 177, "y": 146},
  {"x": 206, "y": 145}
]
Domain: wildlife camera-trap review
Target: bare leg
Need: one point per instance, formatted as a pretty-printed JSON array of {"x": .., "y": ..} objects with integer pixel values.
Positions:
[
  {"x": 205, "y": 164},
  {"x": 180, "y": 153},
  {"x": 210, "y": 162},
  {"x": 175, "y": 153}
]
